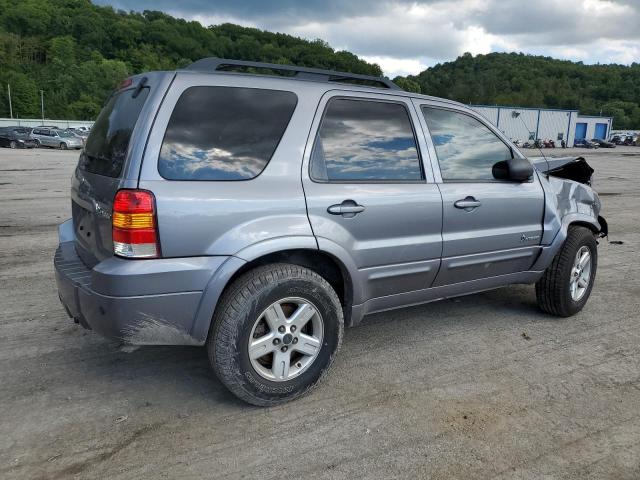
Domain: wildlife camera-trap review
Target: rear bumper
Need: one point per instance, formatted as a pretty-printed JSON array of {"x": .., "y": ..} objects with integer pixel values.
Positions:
[{"x": 143, "y": 302}]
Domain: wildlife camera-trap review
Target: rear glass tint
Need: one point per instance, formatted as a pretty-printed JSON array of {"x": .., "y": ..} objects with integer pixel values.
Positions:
[
  {"x": 224, "y": 133},
  {"x": 106, "y": 147}
]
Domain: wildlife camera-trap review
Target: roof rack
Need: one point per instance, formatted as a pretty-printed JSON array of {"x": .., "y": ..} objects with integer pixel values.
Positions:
[{"x": 299, "y": 73}]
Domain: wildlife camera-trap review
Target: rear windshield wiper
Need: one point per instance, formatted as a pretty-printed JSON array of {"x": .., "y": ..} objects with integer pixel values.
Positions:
[{"x": 141, "y": 84}]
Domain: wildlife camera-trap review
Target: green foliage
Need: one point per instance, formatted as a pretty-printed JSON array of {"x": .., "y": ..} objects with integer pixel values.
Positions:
[
  {"x": 535, "y": 81},
  {"x": 25, "y": 98},
  {"x": 78, "y": 52},
  {"x": 407, "y": 84}
]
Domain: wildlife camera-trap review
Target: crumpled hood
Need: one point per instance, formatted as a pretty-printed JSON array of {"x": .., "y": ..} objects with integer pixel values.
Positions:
[{"x": 570, "y": 168}]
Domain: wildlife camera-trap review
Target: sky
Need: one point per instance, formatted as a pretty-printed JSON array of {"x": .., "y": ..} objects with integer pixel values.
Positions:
[{"x": 405, "y": 37}]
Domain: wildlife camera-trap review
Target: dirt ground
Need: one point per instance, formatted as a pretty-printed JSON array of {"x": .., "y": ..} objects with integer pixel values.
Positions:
[{"x": 484, "y": 386}]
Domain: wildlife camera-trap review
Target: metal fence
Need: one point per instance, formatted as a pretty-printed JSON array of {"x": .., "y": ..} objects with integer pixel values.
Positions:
[{"x": 36, "y": 122}]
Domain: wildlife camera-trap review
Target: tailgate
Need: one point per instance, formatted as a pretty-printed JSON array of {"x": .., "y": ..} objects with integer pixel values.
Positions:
[{"x": 99, "y": 173}]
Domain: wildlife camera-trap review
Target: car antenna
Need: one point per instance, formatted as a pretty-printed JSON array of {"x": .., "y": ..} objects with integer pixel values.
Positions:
[{"x": 515, "y": 114}]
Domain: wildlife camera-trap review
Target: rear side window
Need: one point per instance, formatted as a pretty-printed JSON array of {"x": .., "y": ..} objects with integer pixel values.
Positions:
[
  {"x": 224, "y": 133},
  {"x": 106, "y": 147},
  {"x": 365, "y": 141}
]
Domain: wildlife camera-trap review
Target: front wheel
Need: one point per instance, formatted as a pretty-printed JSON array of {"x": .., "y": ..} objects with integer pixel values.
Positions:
[
  {"x": 63, "y": 146},
  {"x": 275, "y": 333},
  {"x": 566, "y": 285}
]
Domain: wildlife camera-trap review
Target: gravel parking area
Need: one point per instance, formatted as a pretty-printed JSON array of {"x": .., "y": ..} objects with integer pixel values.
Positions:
[{"x": 484, "y": 386}]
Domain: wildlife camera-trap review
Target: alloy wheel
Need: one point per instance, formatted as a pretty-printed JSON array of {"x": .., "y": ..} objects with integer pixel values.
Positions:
[
  {"x": 286, "y": 339},
  {"x": 580, "y": 274}
]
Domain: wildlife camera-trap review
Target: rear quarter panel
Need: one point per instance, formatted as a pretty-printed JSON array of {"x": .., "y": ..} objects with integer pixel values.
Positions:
[{"x": 227, "y": 217}]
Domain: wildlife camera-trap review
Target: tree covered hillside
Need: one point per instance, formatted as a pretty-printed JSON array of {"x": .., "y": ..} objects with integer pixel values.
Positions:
[
  {"x": 78, "y": 52},
  {"x": 534, "y": 81}
]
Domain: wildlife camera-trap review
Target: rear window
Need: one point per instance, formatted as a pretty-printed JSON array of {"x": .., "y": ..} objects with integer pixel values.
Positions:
[
  {"x": 224, "y": 133},
  {"x": 106, "y": 147}
]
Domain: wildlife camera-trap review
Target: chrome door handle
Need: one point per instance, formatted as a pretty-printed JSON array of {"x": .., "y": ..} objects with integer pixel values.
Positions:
[
  {"x": 347, "y": 209},
  {"x": 468, "y": 203}
]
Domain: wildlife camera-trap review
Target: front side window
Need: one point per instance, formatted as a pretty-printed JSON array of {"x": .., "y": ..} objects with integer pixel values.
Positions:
[
  {"x": 363, "y": 140},
  {"x": 224, "y": 133},
  {"x": 466, "y": 149}
]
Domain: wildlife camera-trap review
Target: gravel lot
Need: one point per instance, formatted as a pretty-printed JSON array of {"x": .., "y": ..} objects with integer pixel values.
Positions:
[{"x": 483, "y": 386}]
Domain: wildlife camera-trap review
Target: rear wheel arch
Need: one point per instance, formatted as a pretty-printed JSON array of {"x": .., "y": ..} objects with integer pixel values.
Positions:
[{"x": 323, "y": 263}]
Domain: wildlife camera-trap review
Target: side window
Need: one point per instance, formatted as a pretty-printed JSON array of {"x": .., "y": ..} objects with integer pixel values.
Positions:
[
  {"x": 466, "y": 149},
  {"x": 365, "y": 140},
  {"x": 224, "y": 133}
]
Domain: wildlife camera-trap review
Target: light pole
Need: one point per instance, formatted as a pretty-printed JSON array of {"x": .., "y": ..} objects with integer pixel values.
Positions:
[
  {"x": 10, "y": 107},
  {"x": 42, "y": 104}
]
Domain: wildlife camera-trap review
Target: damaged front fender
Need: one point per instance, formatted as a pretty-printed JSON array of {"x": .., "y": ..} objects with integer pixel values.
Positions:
[{"x": 568, "y": 201}]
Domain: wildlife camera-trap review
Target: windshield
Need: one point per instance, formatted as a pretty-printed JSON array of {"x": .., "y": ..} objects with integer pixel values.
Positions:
[{"x": 106, "y": 147}]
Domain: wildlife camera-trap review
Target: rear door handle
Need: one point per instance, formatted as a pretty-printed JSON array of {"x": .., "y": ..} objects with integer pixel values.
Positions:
[
  {"x": 347, "y": 209},
  {"x": 468, "y": 203}
]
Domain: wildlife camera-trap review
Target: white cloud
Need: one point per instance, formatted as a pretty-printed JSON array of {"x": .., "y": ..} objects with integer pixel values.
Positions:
[
  {"x": 404, "y": 36},
  {"x": 398, "y": 66}
]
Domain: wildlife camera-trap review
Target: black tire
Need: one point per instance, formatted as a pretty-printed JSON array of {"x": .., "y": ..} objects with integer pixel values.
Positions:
[
  {"x": 553, "y": 291},
  {"x": 63, "y": 146},
  {"x": 37, "y": 142},
  {"x": 239, "y": 308},
  {"x": 13, "y": 144}
]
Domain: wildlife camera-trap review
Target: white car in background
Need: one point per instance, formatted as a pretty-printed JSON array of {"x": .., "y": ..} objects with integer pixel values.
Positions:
[{"x": 49, "y": 137}]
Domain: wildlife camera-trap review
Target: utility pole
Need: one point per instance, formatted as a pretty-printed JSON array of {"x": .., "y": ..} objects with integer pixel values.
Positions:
[
  {"x": 42, "y": 104},
  {"x": 10, "y": 107}
]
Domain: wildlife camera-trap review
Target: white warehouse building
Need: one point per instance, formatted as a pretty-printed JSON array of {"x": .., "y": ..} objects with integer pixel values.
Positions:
[{"x": 519, "y": 123}]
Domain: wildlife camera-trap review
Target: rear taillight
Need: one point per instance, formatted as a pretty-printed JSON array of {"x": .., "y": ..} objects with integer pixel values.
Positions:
[{"x": 135, "y": 227}]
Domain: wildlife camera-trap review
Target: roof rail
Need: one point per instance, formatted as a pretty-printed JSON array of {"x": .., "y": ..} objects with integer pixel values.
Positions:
[{"x": 317, "y": 74}]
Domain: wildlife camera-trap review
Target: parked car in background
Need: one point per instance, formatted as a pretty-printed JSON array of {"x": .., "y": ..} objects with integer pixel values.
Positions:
[
  {"x": 603, "y": 143},
  {"x": 16, "y": 137},
  {"x": 49, "y": 137},
  {"x": 260, "y": 215},
  {"x": 584, "y": 143},
  {"x": 75, "y": 133},
  {"x": 623, "y": 139}
]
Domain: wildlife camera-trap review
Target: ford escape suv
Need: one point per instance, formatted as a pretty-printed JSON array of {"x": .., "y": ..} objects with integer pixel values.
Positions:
[{"x": 257, "y": 214}]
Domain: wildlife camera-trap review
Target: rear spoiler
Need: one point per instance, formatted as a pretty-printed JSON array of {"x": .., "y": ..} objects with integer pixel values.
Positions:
[{"x": 570, "y": 168}]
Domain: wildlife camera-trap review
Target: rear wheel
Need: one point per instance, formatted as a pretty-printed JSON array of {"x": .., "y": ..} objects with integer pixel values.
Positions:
[
  {"x": 275, "y": 333},
  {"x": 63, "y": 146},
  {"x": 37, "y": 142},
  {"x": 566, "y": 285}
]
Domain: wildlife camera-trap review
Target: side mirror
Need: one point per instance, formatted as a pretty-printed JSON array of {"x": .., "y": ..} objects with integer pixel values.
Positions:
[
  {"x": 520, "y": 169},
  {"x": 516, "y": 169}
]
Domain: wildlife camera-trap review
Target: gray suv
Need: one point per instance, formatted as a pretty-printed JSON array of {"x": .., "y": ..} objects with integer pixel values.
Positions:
[{"x": 257, "y": 214}]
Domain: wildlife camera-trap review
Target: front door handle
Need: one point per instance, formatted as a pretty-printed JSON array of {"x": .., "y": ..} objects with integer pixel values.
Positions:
[
  {"x": 468, "y": 203},
  {"x": 347, "y": 209}
]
